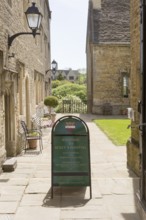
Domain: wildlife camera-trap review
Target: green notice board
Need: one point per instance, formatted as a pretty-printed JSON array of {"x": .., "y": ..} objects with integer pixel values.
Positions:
[{"x": 70, "y": 153}]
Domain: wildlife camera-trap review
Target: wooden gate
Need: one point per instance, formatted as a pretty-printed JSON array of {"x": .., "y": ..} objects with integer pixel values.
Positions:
[{"x": 73, "y": 106}]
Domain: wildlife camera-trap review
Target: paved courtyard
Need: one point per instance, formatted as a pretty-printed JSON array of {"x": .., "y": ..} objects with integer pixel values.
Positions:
[{"x": 25, "y": 193}]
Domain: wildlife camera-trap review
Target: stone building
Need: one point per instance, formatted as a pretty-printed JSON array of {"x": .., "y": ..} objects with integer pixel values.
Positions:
[
  {"x": 23, "y": 79},
  {"x": 108, "y": 56},
  {"x": 136, "y": 155},
  {"x": 69, "y": 74},
  {"x": 135, "y": 93}
]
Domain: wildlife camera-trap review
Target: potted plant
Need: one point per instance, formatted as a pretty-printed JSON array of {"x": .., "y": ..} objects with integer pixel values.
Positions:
[
  {"x": 33, "y": 141},
  {"x": 51, "y": 102}
]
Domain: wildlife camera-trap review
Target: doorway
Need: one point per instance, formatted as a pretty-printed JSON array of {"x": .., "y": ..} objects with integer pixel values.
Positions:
[{"x": 10, "y": 144}]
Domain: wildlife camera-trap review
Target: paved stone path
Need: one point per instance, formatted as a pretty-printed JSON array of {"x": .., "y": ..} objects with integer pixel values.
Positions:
[{"x": 25, "y": 193}]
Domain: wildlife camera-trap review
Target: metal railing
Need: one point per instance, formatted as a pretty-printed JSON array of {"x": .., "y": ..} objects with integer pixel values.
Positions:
[{"x": 73, "y": 106}]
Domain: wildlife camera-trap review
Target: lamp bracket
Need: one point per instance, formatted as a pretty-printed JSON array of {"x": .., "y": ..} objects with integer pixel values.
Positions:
[
  {"x": 11, "y": 38},
  {"x": 48, "y": 71}
]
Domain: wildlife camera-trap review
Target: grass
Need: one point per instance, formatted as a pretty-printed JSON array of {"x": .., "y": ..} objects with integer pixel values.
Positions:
[{"x": 115, "y": 129}]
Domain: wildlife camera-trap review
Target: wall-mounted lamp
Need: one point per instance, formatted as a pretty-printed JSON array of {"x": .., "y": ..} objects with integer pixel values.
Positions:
[
  {"x": 34, "y": 18},
  {"x": 54, "y": 66}
]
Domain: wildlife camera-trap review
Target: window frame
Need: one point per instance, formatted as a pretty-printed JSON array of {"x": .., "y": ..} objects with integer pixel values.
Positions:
[{"x": 125, "y": 85}]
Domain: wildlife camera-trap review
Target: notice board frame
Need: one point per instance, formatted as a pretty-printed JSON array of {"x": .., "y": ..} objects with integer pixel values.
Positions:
[{"x": 69, "y": 123}]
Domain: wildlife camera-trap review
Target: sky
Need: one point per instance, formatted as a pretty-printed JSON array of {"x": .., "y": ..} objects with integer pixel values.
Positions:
[{"x": 68, "y": 33}]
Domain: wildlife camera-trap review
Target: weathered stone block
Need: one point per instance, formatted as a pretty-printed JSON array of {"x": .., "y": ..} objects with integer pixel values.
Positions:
[
  {"x": 133, "y": 157},
  {"x": 9, "y": 165}
]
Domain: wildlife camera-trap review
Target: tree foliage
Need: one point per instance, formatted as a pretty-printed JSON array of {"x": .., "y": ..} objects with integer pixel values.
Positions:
[
  {"x": 56, "y": 83},
  {"x": 81, "y": 79},
  {"x": 70, "y": 89}
]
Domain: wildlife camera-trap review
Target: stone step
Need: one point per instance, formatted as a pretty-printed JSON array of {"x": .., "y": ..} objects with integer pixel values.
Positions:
[{"x": 9, "y": 165}]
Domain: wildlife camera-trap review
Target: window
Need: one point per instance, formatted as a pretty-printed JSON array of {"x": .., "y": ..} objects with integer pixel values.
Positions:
[
  {"x": 71, "y": 77},
  {"x": 125, "y": 86}
]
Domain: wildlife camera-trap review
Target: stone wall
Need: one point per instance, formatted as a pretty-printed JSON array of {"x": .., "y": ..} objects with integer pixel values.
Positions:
[
  {"x": 108, "y": 56},
  {"x": 110, "y": 62},
  {"x": 133, "y": 143},
  {"x": 21, "y": 74}
]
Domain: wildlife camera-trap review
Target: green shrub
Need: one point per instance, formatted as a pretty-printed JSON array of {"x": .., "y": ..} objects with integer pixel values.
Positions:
[
  {"x": 69, "y": 89},
  {"x": 81, "y": 79},
  {"x": 82, "y": 95},
  {"x": 33, "y": 134},
  {"x": 57, "y": 83},
  {"x": 51, "y": 101}
]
